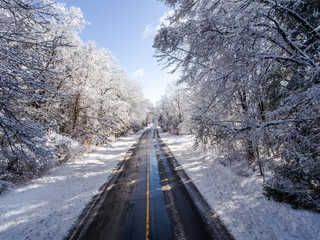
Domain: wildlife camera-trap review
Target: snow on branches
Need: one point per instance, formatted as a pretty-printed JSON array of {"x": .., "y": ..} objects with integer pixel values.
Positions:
[
  {"x": 253, "y": 70},
  {"x": 53, "y": 84}
]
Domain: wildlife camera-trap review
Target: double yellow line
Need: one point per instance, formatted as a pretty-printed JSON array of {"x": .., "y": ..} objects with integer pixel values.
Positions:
[{"x": 148, "y": 196}]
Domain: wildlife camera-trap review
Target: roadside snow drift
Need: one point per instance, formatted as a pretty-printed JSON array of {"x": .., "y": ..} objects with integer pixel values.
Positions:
[
  {"x": 46, "y": 208},
  {"x": 239, "y": 201}
]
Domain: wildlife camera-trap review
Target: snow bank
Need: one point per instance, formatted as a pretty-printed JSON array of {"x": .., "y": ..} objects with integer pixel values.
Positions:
[
  {"x": 47, "y": 208},
  {"x": 239, "y": 201}
]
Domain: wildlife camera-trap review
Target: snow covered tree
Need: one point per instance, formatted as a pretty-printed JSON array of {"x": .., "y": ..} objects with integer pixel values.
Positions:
[
  {"x": 104, "y": 103},
  {"x": 56, "y": 90},
  {"x": 253, "y": 70},
  {"x": 172, "y": 109},
  {"x": 25, "y": 81}
]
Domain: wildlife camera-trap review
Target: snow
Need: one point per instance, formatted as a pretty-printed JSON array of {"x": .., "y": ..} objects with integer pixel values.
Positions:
[
  {"x": 238, "y": 200},
  {"x": 47, "y": 207}
]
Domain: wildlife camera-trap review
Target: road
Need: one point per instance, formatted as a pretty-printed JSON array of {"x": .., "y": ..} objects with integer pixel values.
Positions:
[{"x": 147, "y": 199}]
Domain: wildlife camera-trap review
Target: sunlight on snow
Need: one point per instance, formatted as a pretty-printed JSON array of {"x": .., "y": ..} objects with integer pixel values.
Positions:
[{"x": 17, "y": 217}]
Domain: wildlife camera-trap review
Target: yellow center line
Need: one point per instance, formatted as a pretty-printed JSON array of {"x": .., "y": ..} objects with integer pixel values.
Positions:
[{"x": 148, "y": 203}]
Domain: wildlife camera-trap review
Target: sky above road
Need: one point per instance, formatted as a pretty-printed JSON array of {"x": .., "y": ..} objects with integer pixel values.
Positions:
[{"x": 126, "y": 28}]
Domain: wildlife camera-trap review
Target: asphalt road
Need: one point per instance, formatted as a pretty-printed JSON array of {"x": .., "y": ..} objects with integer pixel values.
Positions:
[{"x": 146, "y": 199}]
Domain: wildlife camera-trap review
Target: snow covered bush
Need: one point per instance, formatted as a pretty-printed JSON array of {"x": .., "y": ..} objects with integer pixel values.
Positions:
[
  {"x": 65, "y": 148},
  {"x": 295, "y": 186}
]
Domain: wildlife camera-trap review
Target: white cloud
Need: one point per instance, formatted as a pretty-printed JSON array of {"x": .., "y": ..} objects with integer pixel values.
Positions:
[
  {"x": 149, "y": 31},
  {"x": 139, "y": 73},
  {"x": 152, "y": 28}
]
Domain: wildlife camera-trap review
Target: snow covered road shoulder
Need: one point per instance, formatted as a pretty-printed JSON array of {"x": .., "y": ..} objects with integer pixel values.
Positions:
[
  {"x": 239, "y": 201},
  {"x": 46, "y": 208}
]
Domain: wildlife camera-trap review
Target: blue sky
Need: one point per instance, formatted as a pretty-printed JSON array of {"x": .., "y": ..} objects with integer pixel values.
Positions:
[{"x": 126, "y": 28}]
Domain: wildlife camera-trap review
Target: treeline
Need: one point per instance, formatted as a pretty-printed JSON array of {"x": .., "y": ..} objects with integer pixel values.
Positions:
[
  {"x": 250, "y": 72},
  {"x": 59, "y": 95}
]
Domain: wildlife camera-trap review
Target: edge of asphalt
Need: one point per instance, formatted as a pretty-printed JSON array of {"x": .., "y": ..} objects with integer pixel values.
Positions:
[{"x": 213, "y": 224}]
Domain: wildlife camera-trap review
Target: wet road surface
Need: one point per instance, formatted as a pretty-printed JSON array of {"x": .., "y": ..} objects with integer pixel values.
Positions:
[{"x": 145, "y": 199}]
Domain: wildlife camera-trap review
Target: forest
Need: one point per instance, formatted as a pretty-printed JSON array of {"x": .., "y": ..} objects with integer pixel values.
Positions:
[
  {"x": 248, "y": 87},
  {"x": 60, "y": 96}
]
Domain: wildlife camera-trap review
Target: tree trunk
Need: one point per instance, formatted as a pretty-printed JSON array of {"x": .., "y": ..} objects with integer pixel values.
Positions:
[
  {"x": 249, "y": 144},
  {"x": 76, "y": 111}
]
